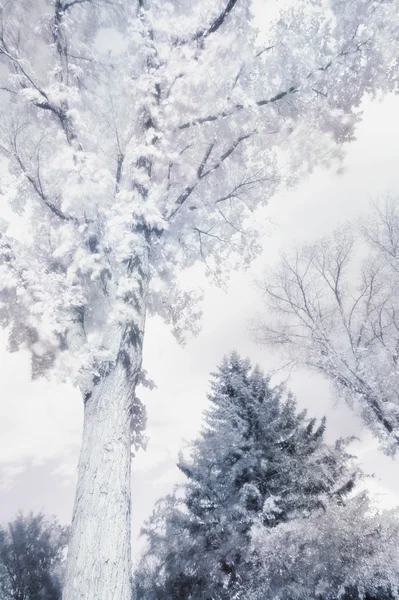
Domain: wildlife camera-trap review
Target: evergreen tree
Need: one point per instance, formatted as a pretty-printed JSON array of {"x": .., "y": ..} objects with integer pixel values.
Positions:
[{"x": 257, "y": 460}]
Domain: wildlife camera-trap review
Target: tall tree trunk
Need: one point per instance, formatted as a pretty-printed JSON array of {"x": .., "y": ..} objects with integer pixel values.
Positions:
[
  {"x": 99, "y": 565},
  {"x": 99, "y": 557}
]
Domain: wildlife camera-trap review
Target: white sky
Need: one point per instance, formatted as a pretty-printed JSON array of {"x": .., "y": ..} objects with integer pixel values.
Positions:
[{"x": 40, "y": 422}]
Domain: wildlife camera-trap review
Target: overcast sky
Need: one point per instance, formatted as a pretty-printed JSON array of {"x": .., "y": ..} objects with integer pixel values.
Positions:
[{"x": 40, "y": 422}]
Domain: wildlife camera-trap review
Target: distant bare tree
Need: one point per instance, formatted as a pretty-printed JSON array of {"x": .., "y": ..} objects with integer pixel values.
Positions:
[{"x": 337, "y": 308}]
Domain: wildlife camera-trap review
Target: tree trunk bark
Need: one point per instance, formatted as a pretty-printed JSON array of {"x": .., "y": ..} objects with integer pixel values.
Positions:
[{"x": 99, "y": 555}]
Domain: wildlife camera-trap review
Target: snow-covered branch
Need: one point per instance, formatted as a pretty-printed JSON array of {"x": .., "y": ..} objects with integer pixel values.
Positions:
[{"x": 216, "y": 24}]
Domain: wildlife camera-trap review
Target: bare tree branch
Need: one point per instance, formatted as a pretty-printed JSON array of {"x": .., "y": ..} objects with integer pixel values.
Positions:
[
  {"x": 36, "y": 184},
  {"x": 201, "y": 174},
  {"x": 237, "y": 108},
  {"x": 204, "y": 161},
  {"x": 266, "y": 101},
  {"x": 212, "y": 235},
  {"x": 44, "y": 104},
  {"x": 218, "y": 22},
  {"x": 69, "y": 5},
  {"x": 351, "y": 338},
  {"x": 215, "y": 25}
]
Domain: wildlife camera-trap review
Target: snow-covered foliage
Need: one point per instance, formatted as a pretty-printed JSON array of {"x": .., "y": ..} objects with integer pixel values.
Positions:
[
  {"x": 257, "y": 461},
  {"x": 347, "y": 551},
  {"x": 337, "y": 307},
  {"x": 141, "y": 136}
]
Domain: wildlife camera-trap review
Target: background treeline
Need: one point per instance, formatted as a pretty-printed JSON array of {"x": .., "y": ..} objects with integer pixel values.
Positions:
[{"x": 32, "y": 553}]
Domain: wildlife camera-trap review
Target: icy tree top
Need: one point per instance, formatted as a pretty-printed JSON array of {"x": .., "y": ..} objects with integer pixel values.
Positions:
[{"x": 140, "y": 137}]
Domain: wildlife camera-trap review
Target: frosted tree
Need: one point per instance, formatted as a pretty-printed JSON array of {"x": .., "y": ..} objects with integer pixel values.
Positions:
[
  {"x": 334, "y": 307},
  {"x": 347, "y": 552},
  {"x": 139, "y": 137},
  {"x": 257, "y": 460}
]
